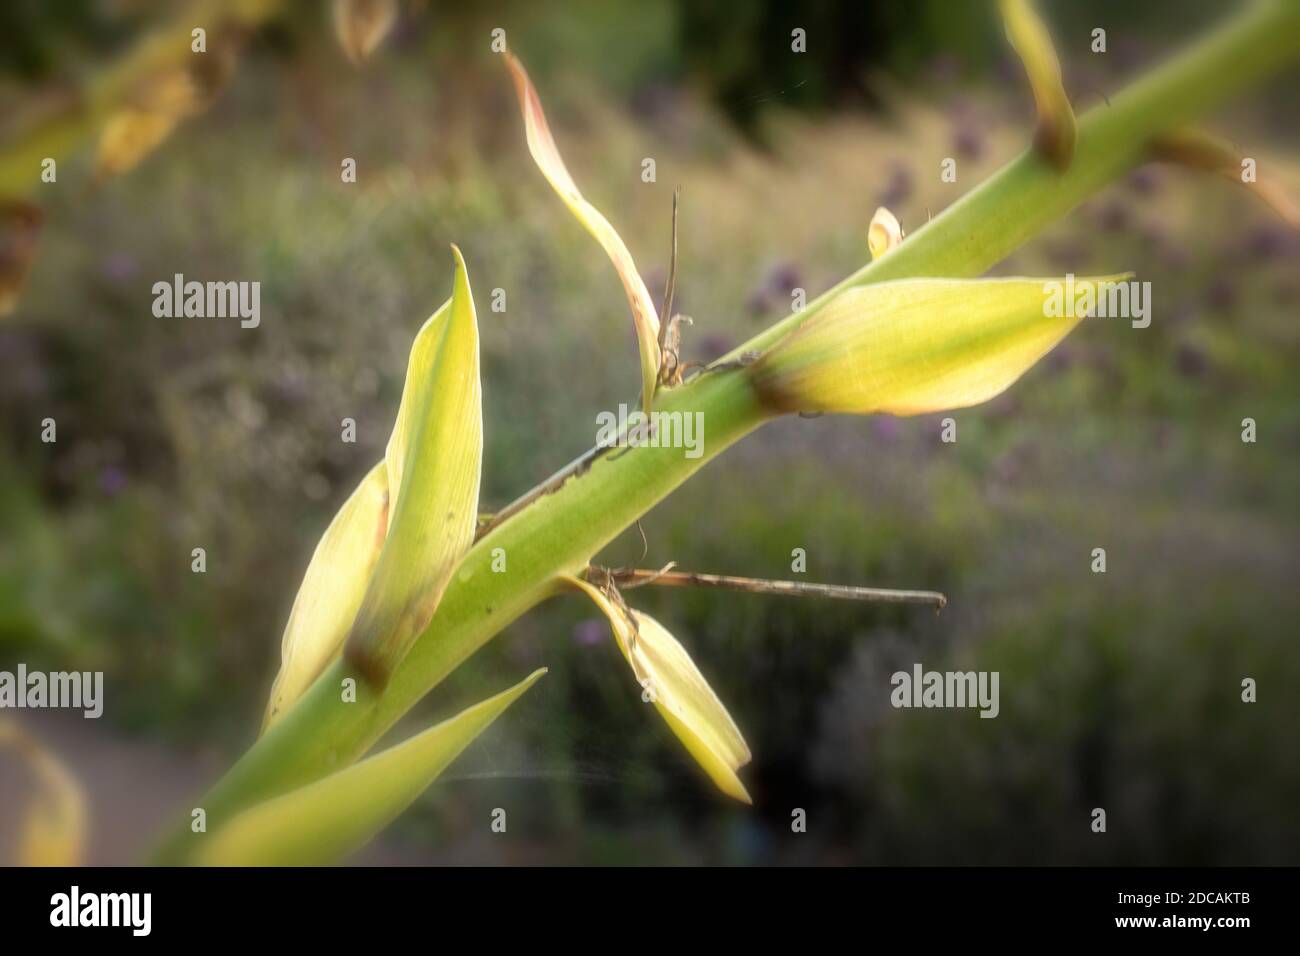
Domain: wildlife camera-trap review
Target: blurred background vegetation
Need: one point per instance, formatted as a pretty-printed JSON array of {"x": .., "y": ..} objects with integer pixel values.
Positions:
[{"x": 1119, "y": 690}]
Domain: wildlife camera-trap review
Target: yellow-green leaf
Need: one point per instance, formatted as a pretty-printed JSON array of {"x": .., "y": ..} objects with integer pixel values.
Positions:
[
  {"x": 674, "y": 684},
  {"x": 547, "y": 156},
  {"x": 129, "y": 136},
  {"x": 884, "y": 233},
  {"x": 331, "y": 592},
  {"x": 361, "y": 25},
  {"x": 53, "y": 831},
  {"x": 919, "y": 345},
  {"x": 434, "y": 460},
  {"x": 336, "y": 815},
  {"x": 1198, "y": 149},
  {"x": 1056, "y": 126},
  {"x": 163, "y": 99}
]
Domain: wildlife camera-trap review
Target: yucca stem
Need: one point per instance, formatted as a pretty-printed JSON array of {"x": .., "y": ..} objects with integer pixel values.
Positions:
[
  {"x": 558, "y": 532},
  {"x": 1013, "y": 205}
]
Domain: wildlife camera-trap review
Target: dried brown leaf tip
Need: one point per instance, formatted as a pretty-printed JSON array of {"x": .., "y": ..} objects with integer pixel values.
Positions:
[
  {"x": 361, "y": 25},
  {"x": 1198, "y": 149},
  {"x": 1056, "y": 130},
  {"x": 671, "y": 366},
  {"x": 670, "y": 332},
  {"x": 541, "y": 144},
  {"x": 163, "y": 100},
  {"x": 20, "y": 229}
]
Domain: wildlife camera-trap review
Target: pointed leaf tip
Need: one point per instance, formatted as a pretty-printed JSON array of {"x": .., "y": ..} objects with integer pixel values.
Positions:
[
  {"x": 679, "y": 692},
  {"x": 337, "y": 815},
  {"x": 361, "y": 25},
  {"x": 434, "y": 461},
  {"x": 541, "y": 145},
  {"x": 918, "y": 345}
]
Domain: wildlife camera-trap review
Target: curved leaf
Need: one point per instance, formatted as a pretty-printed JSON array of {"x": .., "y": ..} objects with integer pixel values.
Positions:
[
  {"x": 1198, "y": 149},
  {"x": 1056, "y": 125},
  {"x": 547, "y": 156},
  {"x": 434, "y": 460},
  {"x": 679, "y": 691},
  {"x": 917, "y": 345},
  {"x": 334, "y": 816},
  {"x": 331, "y": 592},
  {"x": 54, "y": 829}
]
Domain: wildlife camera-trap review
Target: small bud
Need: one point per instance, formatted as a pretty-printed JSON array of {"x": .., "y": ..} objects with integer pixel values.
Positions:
[
  {"x": 361, "y": 25},
  {"x": 911, "y": 347},
  {"x": 884, "y": 233}
]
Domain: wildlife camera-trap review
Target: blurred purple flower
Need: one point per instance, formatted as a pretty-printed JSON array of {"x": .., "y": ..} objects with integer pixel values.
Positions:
[
  {"x": 886, "y": 427},
  {"x": 291, "y": 386},
  {"x": 655, "y": 101},
  {"x": 784, "y": 277},
  {"x": 898, "y": 188},
  {"x": 120, "y": 266},
  {"x": 1060, "y": 358},
  {"x": 1221, "y": 295},
  {"x": 967, "y": 140},
  {"x": 715, "y": 344},
  {"x": 112, "y": 479},
  {"x": 759, "y": 302},
  {"x": 1269, "y": 241},
  {"x": 1191, "y": 361},
  {"x": 1113, "y": 217},
  {"x": 1144, "y": 181},
  {"x": 590, "y": 632},
  {"x": 780, "y": 280}
]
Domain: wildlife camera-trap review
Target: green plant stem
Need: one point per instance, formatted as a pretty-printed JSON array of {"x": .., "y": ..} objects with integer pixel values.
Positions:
[
  {"x": 560, "y": 531},
  {"x": 557, "y": 534},
  {"x": 1014, "y": 204}
]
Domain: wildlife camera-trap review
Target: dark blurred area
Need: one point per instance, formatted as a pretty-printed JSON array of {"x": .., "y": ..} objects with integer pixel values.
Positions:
[{"x": 1119, "y": 690}]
